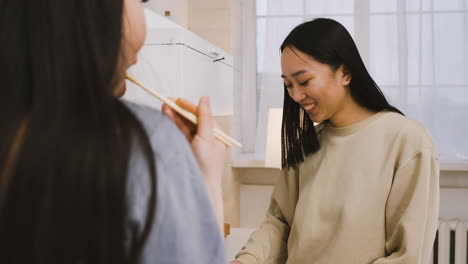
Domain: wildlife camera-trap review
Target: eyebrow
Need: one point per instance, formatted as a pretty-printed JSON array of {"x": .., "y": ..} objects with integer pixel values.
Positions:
[{"x": 295, "y": 74}]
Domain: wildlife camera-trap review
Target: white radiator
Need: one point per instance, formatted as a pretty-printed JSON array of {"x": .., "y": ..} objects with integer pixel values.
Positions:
[{"x": 451, "y": 244}]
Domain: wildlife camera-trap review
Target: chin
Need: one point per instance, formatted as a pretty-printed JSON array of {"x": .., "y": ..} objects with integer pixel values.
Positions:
[
  {"x": 133, "y": 61},
  {"x": 122, "y": 93},
  {"x": 119, "y": 92},
  {"x": 315, "y": 119}
]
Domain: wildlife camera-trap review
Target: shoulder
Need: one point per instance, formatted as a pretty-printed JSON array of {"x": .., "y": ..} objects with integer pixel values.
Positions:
[
  {"x": 173, "y": 158},
  {"x": 166, "y": 139},
  {"x": 184, "y": 228},
  {"x": 406, "y": 130},
  {"x": 405, "y": 137},
  {"x": 153, "y": 120}
]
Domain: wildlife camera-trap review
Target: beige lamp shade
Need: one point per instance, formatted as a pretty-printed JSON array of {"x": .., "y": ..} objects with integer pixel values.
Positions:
[{"x": 273, "y": 144}]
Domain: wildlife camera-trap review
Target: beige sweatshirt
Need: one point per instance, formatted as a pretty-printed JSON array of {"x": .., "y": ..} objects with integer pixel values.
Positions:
[{"x": 369, "y": 195}]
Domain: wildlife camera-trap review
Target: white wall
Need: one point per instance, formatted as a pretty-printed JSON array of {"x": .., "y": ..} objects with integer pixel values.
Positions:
[
  {"x": 210, "y": 19},
  {"x": 178, "y": 8}
]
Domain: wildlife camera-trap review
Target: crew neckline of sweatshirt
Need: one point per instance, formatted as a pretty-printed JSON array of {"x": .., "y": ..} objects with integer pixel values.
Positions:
[{"x": 353, "y": 128}]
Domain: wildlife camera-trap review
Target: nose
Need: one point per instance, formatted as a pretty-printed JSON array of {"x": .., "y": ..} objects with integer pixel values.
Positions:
[{"x": 296, "y": 93}]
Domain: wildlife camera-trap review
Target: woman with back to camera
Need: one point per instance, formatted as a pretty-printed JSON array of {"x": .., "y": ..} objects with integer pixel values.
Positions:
[
  {"x": 360, "y": 187},
  {"x": 84, "y": 177}
]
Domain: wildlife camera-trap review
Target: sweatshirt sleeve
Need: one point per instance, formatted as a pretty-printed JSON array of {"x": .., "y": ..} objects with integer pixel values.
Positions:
[
  {"x": 268, "y": 244},
  {"x": 412, "y": 210}
]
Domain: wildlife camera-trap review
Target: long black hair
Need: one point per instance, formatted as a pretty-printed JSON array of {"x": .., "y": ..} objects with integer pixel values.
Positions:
[
  {"x": 328, "y": 42},
  {"x": 63, "y": 182}
]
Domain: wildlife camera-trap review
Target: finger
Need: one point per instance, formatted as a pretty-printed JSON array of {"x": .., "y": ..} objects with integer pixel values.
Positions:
[
  {"x": 168, "y": 111},
  {"x": 187, "y": 128},
  {"x": 187, "y": 105},
  {"x": 205, "y": 120},
  {"x": 177, "y": 117},
  {"x": 188, "y": 132}
]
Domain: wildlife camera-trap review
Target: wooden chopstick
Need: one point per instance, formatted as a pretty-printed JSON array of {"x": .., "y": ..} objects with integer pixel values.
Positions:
[{"x": 191, "y": 117}]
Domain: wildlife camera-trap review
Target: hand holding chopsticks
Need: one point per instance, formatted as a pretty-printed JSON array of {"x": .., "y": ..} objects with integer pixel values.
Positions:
[{"x": 188, "y": 115}]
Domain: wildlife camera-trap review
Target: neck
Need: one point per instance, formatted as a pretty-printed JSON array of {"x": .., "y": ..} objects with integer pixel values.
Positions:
[{"x": 350, "y": 113}]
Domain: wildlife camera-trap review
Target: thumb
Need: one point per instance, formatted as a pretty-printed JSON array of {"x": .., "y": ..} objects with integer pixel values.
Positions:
[{"x": 205, "y": 120}]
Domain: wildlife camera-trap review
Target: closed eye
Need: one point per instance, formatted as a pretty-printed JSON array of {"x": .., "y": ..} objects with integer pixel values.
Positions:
[{"x": 305, "y": 83}]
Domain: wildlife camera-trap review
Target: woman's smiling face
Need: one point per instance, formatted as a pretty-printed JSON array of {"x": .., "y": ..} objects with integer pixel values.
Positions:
[{"x": 320, "y": 90}]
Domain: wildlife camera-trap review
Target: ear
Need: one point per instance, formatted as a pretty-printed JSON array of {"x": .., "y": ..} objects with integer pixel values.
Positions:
[{"x": 345, "y": 75}]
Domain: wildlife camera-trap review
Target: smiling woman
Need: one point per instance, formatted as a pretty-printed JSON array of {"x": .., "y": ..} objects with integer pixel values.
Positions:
[
  {"x": 361, "y": 187},
  {"x": 328, "y": 74},
  {"x": 318, "y": 83}
]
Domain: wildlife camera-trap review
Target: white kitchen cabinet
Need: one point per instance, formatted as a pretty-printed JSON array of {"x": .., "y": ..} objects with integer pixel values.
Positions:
[{"x": 175, "y": 62}]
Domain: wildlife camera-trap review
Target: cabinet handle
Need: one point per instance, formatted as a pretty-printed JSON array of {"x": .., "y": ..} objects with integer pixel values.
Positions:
[{"x": 219, "y": 59}]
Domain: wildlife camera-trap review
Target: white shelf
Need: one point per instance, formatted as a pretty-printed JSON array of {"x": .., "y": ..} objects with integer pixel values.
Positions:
[
  {"x": 245, "y": 164},
  {"x": 260, "y": 164},
  {"x": 453, "y": 166}
]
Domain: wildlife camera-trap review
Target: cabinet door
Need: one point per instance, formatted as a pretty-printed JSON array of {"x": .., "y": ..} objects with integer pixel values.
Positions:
[
  {"x": 222, "y": 88},
  {"x": 159, "y": 68},
  {"x": 179, "y": 71},
  {"x": 202, "y": 76}
]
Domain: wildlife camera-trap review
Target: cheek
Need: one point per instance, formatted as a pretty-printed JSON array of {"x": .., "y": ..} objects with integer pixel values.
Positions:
[
  {"x": 336, "y": 95},
  {"x": 137, "y": 35},
  {"x": 134, "y": 38},
  {"x": 316, "y": 90},
  {"x": 142, "y": 39},
  {"x": 134, "y": 26},
  {"x": 326, "y": 92},
  {"x": 141, "y": 24}
]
